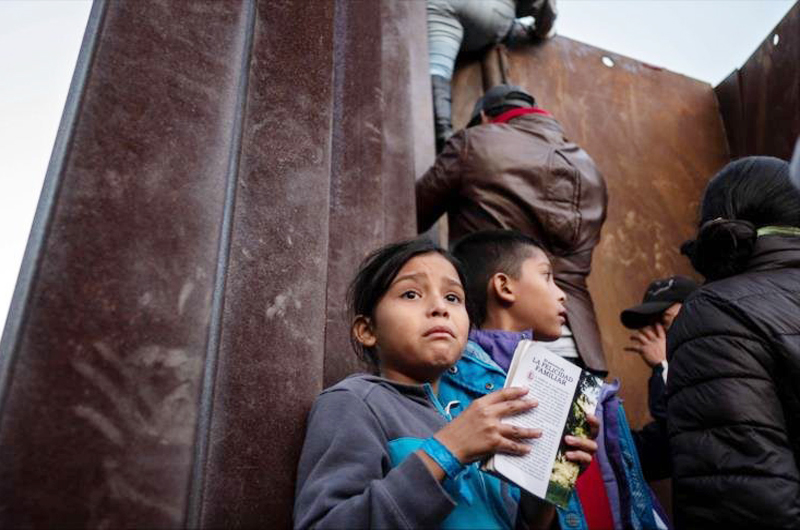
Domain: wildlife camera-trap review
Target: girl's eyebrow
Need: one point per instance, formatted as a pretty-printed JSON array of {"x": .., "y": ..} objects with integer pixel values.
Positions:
[
  {"x": 421, "y": 276},
  {"x": 454, "y": 282},
  {"x": 416, "y": 276}
]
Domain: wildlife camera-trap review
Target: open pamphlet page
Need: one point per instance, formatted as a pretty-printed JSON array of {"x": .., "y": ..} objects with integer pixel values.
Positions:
[{"x": 566, "y": 394}]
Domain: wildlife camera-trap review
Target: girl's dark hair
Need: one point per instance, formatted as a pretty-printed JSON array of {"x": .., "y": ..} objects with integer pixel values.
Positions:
[
  {"x": 376, "y": 274},
  {"x": 744, "y": 196}
]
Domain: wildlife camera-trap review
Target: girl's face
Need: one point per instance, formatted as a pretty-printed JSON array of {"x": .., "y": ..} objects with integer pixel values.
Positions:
[{"x": 420, "y": 324}]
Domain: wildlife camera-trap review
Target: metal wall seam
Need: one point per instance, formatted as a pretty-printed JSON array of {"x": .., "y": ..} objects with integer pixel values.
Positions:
[
  {"x": 194, "y": 504},
  {"x": 17, "y": 314}
]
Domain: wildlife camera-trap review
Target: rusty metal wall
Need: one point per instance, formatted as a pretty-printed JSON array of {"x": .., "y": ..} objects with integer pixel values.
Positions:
[
  {"x": 760, "y": 102},
  {"x": 220, "y": 169},
  {"x": 381, "y": 83},
  {"x": 655, "y": 135}
]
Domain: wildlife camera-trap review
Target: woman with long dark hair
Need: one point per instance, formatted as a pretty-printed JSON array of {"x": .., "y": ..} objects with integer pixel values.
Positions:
[{"x": 734, "y": 352}]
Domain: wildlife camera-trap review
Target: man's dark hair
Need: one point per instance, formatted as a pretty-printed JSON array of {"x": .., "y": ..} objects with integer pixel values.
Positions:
[
  {"x": 500, "y": 99},
  {"x": 375, "y": 276},
  {"x": 483, "y": 254},
  {"x": 497, "y": 111}
]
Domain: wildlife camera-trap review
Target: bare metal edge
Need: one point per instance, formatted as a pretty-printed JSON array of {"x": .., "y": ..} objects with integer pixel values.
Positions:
[
  {"x": 31, "y": 260},
  {"x": 194, "y": 506}
]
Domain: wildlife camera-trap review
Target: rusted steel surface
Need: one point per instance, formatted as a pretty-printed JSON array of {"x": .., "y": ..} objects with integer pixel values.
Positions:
[
  {"x": 356, "y": 186},
  {"x": 380, "y": 78},
  {"x": 657, "y": 137},
  {"x": 467, "y": 88},
  {"x": 273, "y": 328},
  {"x": 405, "y": 86},
  {"x": 494, "y": 67},
  {"x": 223, "y": 168},
  {"x": 729, "y": 97},
  {"x": 768, "y": 95},
  {"x": 99, "y": 413}
]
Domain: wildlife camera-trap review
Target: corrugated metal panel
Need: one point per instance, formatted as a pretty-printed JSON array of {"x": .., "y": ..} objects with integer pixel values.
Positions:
[
  {"x": 769, "y": 92},
  {"x": 221, "y": 169}
]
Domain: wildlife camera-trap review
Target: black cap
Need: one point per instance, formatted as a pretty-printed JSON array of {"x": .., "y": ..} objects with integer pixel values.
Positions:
[
  {"x": 500, "y": 96},
  {"x": 660, "y": 295}
]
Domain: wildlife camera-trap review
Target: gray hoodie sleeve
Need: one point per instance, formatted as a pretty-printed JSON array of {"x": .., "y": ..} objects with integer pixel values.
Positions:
[{"x": 345, "y": 479}]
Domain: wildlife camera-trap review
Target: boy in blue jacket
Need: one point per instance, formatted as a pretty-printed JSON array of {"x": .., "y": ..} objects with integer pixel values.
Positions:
[{"x": 511, "y": 296}]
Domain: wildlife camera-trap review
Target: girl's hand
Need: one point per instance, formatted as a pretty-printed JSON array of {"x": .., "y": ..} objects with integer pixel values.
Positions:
[
  {"x": 478, "y": 432},
  {"x": 584, "y": 448}
]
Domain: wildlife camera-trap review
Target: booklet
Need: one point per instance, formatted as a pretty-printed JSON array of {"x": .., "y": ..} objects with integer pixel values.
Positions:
[{"x": 566, "y": 394}]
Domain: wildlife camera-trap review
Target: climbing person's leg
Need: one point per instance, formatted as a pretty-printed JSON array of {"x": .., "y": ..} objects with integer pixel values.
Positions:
[
  {"x": 442, "y": 110},
  {"x": 445, "y": 33}
]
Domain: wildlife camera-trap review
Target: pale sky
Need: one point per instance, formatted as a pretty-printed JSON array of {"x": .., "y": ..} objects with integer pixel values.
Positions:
[{"x": 40, "y": 40}]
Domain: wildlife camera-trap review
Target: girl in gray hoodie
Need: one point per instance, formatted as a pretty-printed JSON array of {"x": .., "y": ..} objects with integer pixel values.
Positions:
[{"x": 381, "y": 451}]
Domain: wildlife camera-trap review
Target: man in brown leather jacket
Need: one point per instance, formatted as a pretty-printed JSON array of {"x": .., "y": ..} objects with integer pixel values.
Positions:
[{"x": 517, "y": 170}]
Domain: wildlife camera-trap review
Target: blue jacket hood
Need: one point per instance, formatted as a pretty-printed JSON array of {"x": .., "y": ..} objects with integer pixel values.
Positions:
[{"x": 498, "y": 344}]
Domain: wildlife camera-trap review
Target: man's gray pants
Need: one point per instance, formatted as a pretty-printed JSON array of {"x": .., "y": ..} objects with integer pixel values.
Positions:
[{"x": 464, "y": 24}]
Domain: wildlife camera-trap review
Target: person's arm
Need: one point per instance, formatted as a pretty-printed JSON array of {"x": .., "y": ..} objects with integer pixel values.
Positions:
[
  {"x": 439, "y": 186},
  {"x": 650, "y": 343},
  {"x": 342, "y": 479},
  {"x": 656, "y": 392},
  {"x": 652, "y": 446}
]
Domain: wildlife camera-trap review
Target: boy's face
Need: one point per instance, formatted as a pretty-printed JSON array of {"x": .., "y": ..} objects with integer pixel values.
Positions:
[
  {"x": 420, "y": 325},
  {"x": 539, "y": 302}
]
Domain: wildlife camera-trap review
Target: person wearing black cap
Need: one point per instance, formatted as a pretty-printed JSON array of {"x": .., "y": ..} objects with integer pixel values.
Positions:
[
  {"x": 514, "y": 168},
  {"x": 651, "y": 319}
]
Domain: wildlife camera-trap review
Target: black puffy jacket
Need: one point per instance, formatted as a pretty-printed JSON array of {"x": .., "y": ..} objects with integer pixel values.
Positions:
[{"x": 734, "y": 396}]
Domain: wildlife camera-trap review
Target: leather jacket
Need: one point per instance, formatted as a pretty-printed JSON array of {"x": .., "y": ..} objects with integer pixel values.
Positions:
[{"x": 526, "y": 175}]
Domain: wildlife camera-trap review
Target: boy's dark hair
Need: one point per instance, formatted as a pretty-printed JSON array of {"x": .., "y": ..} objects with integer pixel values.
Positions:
[
  {"x": 744, "y": 196},
  {"x": 484, "y": 254},
  {"x": 377, "y": 272}
]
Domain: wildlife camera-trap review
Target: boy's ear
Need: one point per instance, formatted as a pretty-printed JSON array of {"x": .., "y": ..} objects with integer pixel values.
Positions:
[
  {"x": 363, "y": 332},
  {"x": 502, "y": 287}
]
